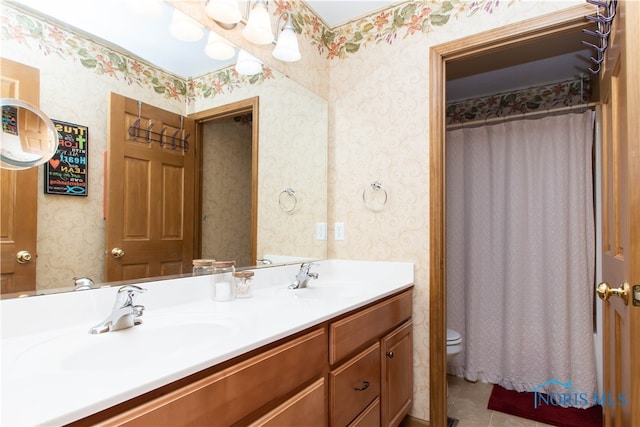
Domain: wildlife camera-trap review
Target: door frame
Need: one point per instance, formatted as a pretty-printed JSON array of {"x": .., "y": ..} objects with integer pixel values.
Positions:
[
  {"x": 493, "y": 40},
  {"x": 244, "y": 106}
]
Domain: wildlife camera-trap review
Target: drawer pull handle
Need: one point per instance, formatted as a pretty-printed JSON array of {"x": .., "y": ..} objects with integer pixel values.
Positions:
[
  {"x": 390, "y": 354},
  {"x": 365, "y": 385}
]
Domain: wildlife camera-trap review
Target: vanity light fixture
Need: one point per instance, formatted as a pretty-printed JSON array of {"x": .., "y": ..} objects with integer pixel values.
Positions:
[
  {"x": 287, "y": 43},
  {"x": 218, "y": 48},
  {"x": 247, "y": 64},
  {"x": 258, "y": 29},
  {"x": 185, "y": 28}
]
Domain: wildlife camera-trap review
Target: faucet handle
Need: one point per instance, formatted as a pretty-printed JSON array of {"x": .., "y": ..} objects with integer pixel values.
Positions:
[
  {"x": 306, "y": 266},
  {"x": 126, "y": 295}
]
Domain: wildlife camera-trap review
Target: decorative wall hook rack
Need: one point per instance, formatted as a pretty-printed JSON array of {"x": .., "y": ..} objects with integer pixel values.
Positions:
[
  {"x": 174, "y": 141},
  {"x": 605, "y": 12}
]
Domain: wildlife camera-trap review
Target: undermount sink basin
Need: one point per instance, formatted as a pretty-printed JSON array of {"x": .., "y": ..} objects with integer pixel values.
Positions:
[{"x": 166, "y": 335}]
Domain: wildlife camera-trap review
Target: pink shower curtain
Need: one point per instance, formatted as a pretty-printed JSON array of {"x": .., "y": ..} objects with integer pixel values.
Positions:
[{"x": 520, "y": 253}]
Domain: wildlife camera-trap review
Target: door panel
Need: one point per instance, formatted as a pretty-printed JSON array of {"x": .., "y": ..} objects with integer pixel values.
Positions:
[
  {"x": 620, "y": 222},
  {"x": 19, "y": 191},
  {"x": 150, "y": 192}
]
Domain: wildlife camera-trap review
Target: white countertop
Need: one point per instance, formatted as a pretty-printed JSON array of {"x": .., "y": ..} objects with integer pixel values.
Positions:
[{"x": 54, "y": 372}]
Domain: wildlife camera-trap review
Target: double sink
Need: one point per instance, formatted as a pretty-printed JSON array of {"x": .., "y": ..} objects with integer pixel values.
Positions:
[{"x": 49, "y": 357}]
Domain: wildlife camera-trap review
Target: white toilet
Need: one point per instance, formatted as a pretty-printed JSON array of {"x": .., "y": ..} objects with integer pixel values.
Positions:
[
  {"x": 454, "y": 346},
  {"x": 454, "y": 343}
]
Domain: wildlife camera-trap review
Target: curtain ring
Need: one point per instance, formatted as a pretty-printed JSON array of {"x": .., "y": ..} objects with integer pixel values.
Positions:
[
  {"x": 292, "y": 194},
  {"x": 375, "y": 187}
]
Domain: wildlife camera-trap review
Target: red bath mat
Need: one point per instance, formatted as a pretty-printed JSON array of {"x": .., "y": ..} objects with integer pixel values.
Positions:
[{"x": 522, "y": 405}]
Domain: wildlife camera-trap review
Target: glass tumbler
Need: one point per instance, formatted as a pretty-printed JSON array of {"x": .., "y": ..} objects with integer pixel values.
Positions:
[
  {"x": 223, "y": 280},
  {"x": 244, "y": 284}
]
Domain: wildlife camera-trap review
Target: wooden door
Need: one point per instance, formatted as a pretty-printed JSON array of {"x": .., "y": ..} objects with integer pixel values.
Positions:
[
  {"x": 18, "y": 192},
  {"x": 150, "y": 192},
  {"x": 620, "y": 95}
]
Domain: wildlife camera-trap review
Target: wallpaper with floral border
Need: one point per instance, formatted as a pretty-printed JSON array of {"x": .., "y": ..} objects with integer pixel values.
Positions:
[
  {"x": 380, "y": 114},
  {"x": 407, "y": 19},
  {"x": 386, "y": 26},
  {"x": 539, "y": 98},
  {"x": 49, "y": 39}
]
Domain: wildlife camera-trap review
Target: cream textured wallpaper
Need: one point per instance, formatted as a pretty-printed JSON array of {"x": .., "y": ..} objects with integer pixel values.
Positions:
[
  {"x": 292, "y": 153},
  {"x": 71, "y": 229},
  {"x": 77, "y": 76},
  {"x": 226, "y": 194},
  {"x": 379, "y": 130},
  {"x": 375, "y": 74}
]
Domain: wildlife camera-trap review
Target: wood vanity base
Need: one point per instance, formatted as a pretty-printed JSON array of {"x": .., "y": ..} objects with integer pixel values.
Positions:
[{"x": 356, "y": 369}]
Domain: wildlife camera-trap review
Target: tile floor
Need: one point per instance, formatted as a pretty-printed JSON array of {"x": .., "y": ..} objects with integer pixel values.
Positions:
[{"x": 467, "y": 402}]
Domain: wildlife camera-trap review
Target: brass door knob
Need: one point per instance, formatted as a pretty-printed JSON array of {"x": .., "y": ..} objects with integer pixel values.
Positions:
[
  {"x": 23, "y": 257},
  {"x": 117, "y": 252},
  {"x": 604, "y": 291}
]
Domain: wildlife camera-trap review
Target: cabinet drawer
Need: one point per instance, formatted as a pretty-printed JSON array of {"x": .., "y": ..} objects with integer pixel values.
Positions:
[
  {"x": 225, "y": 397},
  {"x": 307, "y": 406},
  {"x": 354, "y": 385},
  {"x": 370, "y": 417},
  {"x": 353, "y": 332}
]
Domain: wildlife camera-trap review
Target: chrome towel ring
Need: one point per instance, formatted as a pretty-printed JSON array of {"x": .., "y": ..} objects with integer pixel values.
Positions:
[
  {"x": 374, "y": 196},
  {"x": 288, "y": 205}
]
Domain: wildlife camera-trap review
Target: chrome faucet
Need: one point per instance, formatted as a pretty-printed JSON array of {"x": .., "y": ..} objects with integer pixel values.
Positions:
[
  {"x": 125, "y": 314},
  {"x": 82, "y": 283},
  {"x": 303, "y": 276}
]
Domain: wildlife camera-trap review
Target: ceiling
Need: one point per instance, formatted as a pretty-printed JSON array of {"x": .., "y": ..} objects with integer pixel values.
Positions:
[{"x": 148, "y": 38}]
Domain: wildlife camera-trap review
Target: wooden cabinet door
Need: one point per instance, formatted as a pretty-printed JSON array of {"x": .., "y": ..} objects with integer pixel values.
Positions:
[
  {"x": 308, "y": 407},
  {"x": 150, "y": 193},
  {"x": 397, "y": 374},
  {"x": 354, "y": 386},
  {"x": 18, "y": 192},
  {"x": 231, "y": 395},
  {"x": 620, "y": 94}
]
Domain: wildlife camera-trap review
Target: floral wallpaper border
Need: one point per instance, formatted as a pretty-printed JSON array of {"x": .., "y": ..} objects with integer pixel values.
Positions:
[
  {"x": 407, "y": 19},
  {"x": 554, "y": 95},
  {"x": 404, "y": 20},
  {"x": 49, "y": 39}
]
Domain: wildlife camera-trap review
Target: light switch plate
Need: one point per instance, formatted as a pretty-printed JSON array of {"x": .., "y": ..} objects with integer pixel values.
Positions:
[
  {"x": 321, "y": 231},
  {"x": 339, "y": 230}
]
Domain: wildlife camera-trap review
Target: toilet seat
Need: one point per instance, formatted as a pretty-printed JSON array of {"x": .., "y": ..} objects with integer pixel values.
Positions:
[{"x": 453, "y": 337}]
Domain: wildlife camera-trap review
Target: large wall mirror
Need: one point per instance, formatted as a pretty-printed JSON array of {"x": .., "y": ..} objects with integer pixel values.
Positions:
[{"x": 79, "y": 71}]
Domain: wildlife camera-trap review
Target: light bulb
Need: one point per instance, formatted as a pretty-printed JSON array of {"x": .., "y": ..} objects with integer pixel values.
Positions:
[
  {"x": 287, "y": 47},
  {"x": 185, "y": 28},
  {"x": 258, "y": 28},
  {"x": 225, "y": 11},
  {"x": 218, "y": 48},
  {"x": 247, "y": 64}
]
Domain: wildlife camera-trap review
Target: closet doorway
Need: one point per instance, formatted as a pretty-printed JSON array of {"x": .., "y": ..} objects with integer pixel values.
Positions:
[
  {"x": 227, "y": 182},
  {"x": 520, "y": 36}
]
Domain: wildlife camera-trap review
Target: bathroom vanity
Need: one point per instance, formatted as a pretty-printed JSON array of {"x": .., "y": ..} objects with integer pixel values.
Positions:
[{"x": 336, "y": 353}]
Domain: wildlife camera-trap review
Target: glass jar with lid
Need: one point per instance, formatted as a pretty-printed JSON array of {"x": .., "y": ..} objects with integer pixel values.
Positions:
[
  {"x": 202, "y": 266},
  {"x": 244, "y": 285},
  {"x": 223, "y": 280}
]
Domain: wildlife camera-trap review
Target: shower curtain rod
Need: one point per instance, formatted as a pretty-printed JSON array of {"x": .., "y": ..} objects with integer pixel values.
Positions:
[{"x": 480, "y": 122}]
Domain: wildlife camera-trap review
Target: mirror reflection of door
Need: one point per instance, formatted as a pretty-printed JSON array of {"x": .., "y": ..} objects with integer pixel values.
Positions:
[
  {"x": 227, "y": 137},
  {"x": 19, "y": 193},
  {"x": 150, "y": 192}
]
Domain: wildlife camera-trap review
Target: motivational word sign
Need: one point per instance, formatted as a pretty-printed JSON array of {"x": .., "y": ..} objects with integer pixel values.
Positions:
[{"x": 66, "y": 172}]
